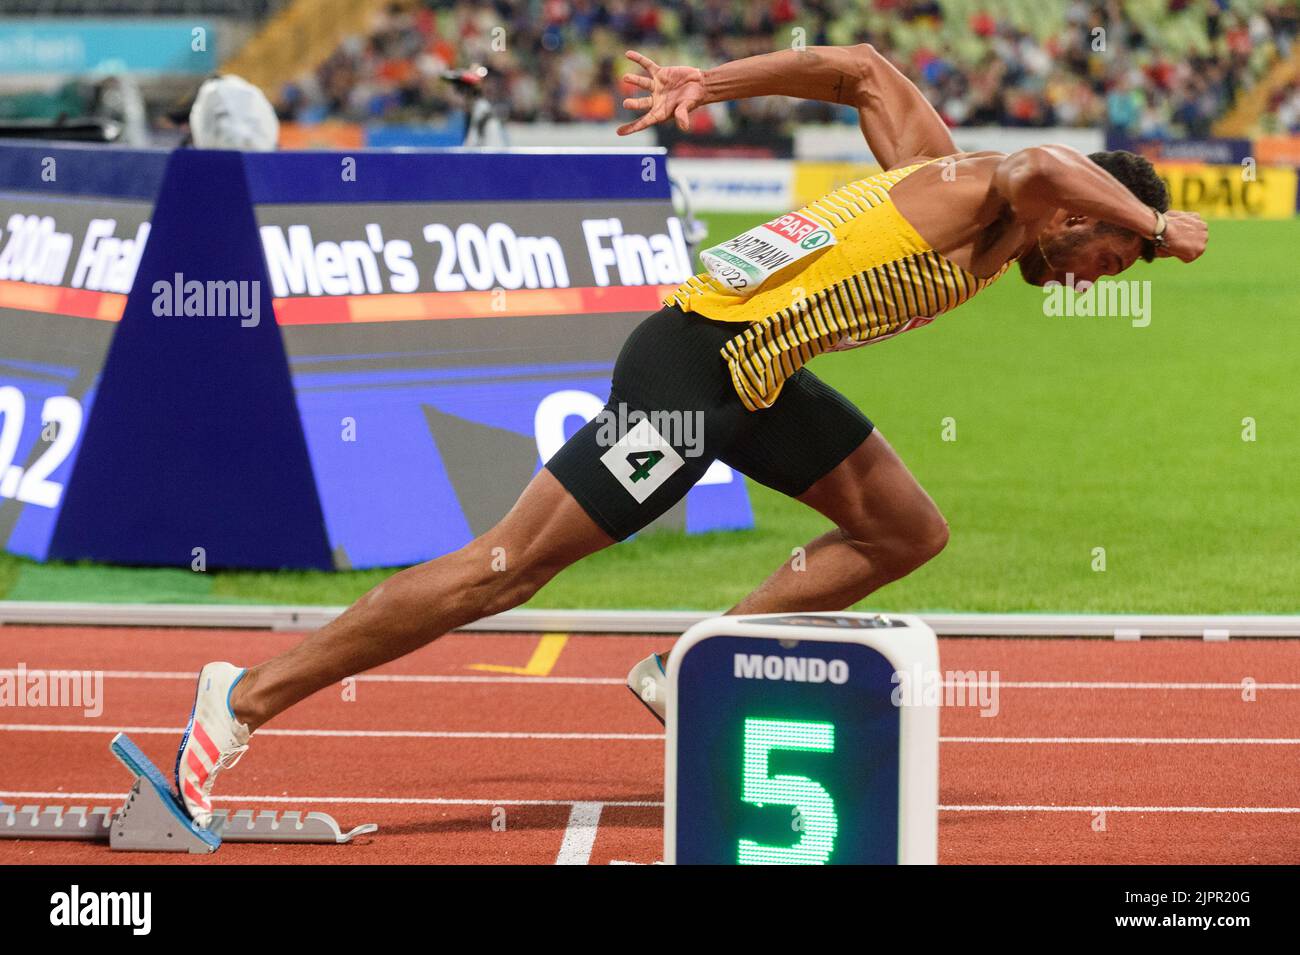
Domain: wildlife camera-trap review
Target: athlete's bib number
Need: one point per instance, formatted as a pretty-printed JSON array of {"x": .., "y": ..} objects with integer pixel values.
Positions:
[
  {"x": 752, "y": 259},
  {"x": 642, "y": 462}
]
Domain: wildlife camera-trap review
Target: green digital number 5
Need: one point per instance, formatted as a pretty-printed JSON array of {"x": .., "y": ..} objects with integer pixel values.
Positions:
[{"x": 813, "y": 805}]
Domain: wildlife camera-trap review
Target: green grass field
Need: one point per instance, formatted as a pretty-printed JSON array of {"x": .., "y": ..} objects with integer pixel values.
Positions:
[{"x": 1071, "y": 434}]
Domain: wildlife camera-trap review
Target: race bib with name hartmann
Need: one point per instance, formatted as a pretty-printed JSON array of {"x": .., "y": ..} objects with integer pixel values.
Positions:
[{"x": 774, "y": 249}]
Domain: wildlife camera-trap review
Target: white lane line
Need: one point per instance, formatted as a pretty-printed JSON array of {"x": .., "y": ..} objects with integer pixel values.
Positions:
[
  {"x": 1244, "y": 683},
  {"x": 580, "y": 834},
  {"x": 450, "y": 678},
  {"x": 338, "y": 734},
  {"x": 352, "y": 800},
  {"x": 1122, "y": 740},
  {"x": 648, "y": 737},
  {"x": 1252, "y": 810},
  {"x": 363, "y": 678},
  {"x": 461, "y": 734},
  {"x": 633, "y": 804}
]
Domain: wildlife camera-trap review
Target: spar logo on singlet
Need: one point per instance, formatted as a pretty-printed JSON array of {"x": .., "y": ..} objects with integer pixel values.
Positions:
[{"x": 796, "y": 228}]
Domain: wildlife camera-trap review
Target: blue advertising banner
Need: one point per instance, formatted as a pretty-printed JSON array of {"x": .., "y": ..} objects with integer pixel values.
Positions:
[
  {"x": 387, "y": 136},
  {"x": 78, "y": 46},
  {"x": 72, "y": 230},
  {"x": 312, "y": 359}
]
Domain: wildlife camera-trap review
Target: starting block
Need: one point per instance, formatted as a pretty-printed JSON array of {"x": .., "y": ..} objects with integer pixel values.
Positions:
[
  {"x": 802, "y": 739},
  {"x": 153, "y": 819}
]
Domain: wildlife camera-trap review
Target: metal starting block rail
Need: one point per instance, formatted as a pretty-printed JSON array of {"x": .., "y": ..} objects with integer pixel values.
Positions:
[{"x": 153, "y": 819}]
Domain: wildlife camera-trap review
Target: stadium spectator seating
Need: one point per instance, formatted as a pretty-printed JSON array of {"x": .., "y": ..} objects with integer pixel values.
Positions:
[{"x": 1160, "y": 68}]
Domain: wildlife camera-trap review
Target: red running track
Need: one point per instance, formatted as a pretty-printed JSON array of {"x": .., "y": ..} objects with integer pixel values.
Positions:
[{"x": 1172, "y": 751}]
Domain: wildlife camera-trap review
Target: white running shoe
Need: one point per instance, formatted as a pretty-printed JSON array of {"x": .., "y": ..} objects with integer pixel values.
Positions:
[
  {"x": 648, "y": 681},
  {"x": 214, "y": 740}
]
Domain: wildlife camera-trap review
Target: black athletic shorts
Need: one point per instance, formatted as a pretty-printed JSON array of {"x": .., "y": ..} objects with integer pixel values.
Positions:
[{"x": 673, "y": 411}]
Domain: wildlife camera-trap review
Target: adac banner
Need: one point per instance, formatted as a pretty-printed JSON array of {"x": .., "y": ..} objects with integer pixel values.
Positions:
[
  {"x": 312, "y": 359},
  {"x": 1246, "y": 191}
]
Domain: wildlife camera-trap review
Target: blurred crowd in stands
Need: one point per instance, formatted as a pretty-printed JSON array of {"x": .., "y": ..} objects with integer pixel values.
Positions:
[{"x": 1149, "y": 68}]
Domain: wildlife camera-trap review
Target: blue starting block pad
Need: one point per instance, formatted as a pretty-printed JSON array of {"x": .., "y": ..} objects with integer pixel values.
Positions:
[
  {"x": 802, "y": 739},
  {"x": 153, "y": 819}
]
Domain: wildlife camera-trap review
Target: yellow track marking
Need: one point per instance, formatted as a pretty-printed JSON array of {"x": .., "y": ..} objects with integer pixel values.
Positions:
[{"x": 540, "y": 663}]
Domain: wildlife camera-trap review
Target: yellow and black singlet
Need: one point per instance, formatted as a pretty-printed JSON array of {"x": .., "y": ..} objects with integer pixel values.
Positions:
[{"x": 879, "y": 279}]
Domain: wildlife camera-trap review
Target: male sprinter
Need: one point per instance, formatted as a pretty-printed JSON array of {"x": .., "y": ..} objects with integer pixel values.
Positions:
[{"x": 887, "y": 254}]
